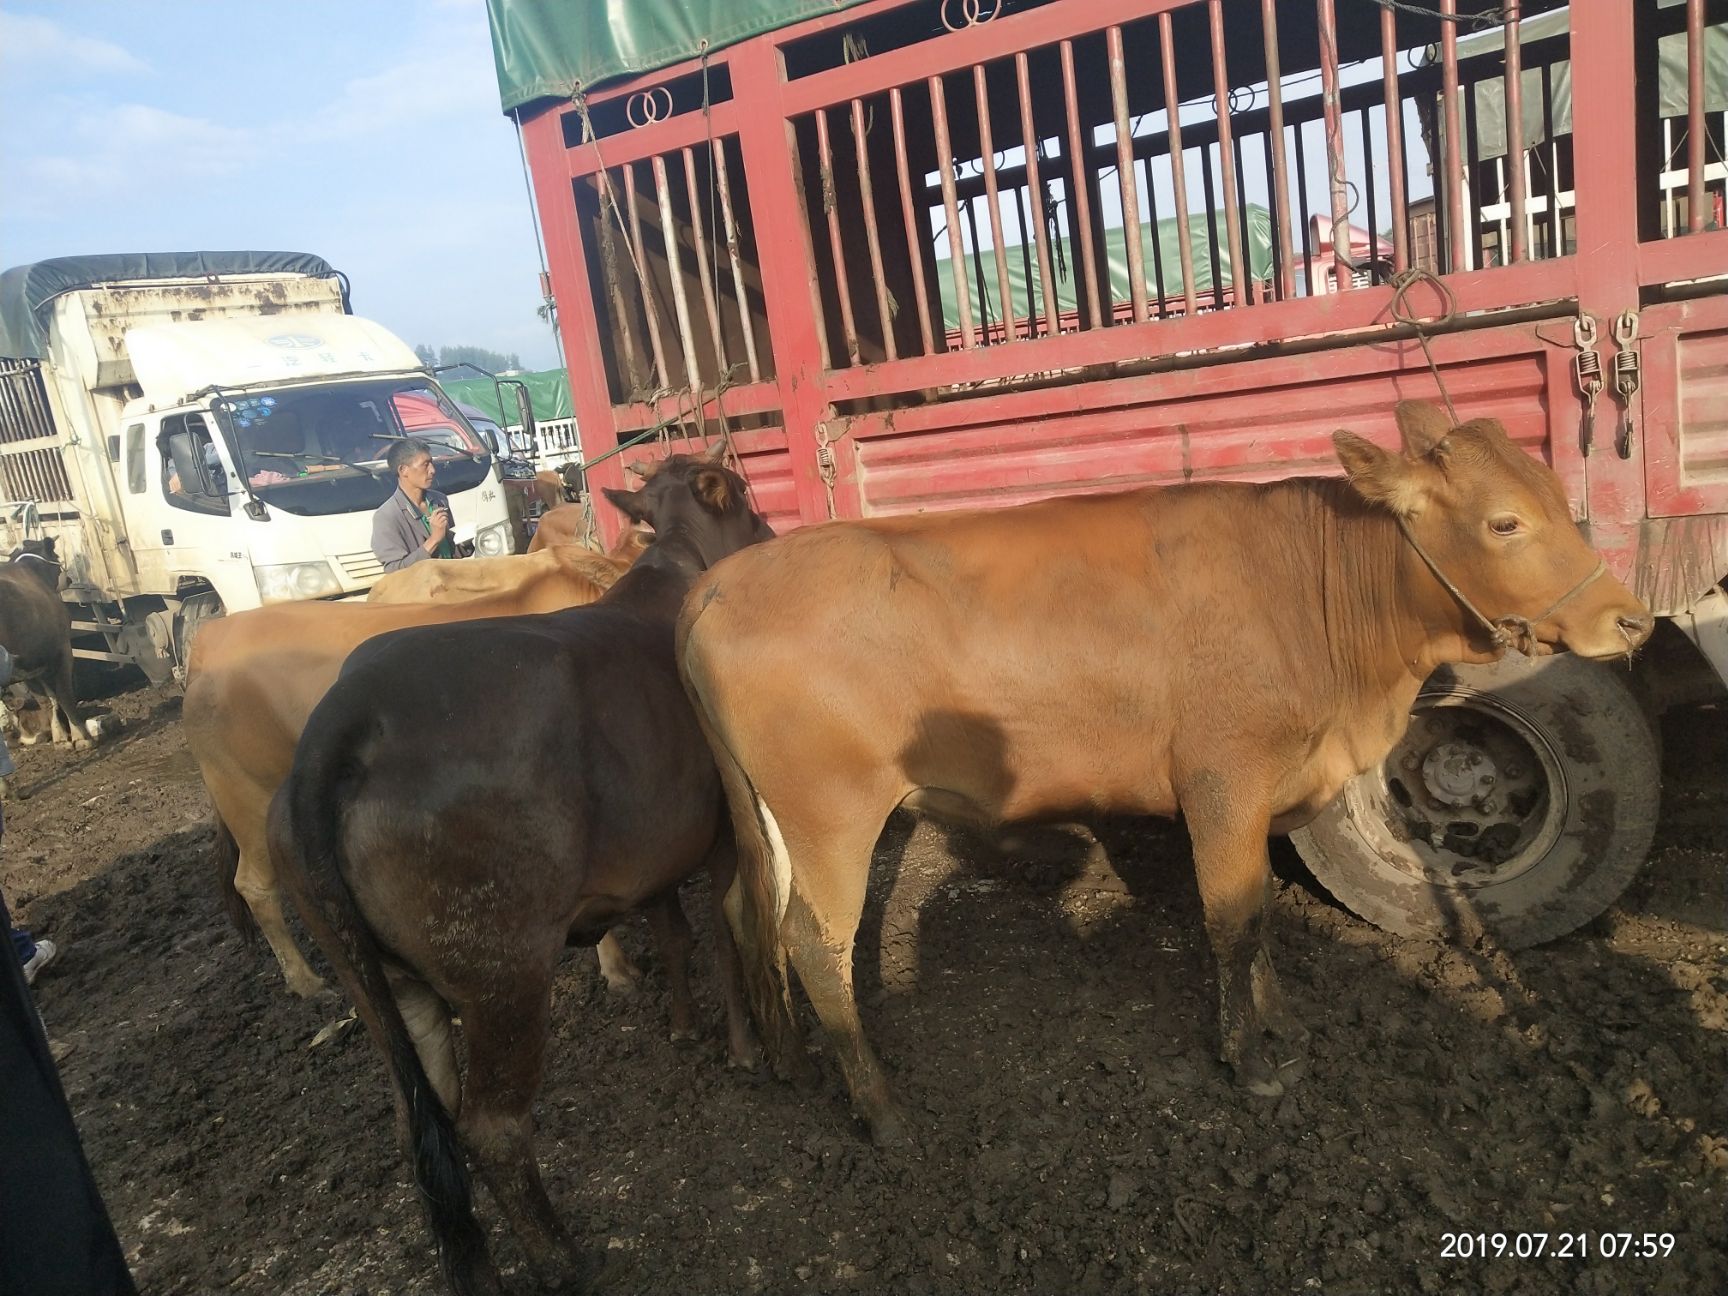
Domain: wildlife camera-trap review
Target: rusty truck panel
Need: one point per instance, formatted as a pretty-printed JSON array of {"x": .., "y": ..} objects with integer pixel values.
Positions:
[{"x": 912, "y": 257}]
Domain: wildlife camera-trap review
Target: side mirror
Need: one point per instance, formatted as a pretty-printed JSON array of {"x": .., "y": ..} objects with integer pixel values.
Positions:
[
  {"x": 188, "y": 463},
  {"x": 524, "y": 408}
]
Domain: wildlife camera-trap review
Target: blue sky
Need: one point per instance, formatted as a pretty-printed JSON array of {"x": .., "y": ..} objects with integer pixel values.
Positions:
[{"x": 366, "y": 131}]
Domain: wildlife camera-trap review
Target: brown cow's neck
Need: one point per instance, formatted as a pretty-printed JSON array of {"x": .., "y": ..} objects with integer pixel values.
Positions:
[{"x": 1388, "y": 622}]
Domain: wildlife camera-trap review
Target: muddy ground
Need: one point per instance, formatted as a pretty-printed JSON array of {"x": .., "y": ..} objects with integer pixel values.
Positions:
[{"x": 1049, "y": 1024}]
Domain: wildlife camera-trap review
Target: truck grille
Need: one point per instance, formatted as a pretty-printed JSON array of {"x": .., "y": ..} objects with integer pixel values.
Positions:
[{"x": 363, "y": 567}]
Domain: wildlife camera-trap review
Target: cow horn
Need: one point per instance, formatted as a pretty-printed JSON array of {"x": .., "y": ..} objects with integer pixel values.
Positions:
[
  {"x": 717, "y": 452},
  {"x": 644, "y": 468}
]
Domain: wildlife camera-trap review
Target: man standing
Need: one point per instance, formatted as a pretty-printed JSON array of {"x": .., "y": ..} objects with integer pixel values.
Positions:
[{"x": 415, "y": 522}]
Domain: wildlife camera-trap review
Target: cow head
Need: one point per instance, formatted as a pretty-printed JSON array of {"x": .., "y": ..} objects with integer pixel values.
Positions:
[
  {"x": 697, "y": 499},
  {"x": 1494, "y": 522},
  {"x": 42, "y": 560}
]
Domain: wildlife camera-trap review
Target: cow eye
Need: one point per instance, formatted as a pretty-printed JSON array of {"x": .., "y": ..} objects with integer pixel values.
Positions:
[{"x": 1504, "y": 526}]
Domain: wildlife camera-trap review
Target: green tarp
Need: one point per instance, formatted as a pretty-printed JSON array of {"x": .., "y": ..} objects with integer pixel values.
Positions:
[
  {"x": 550, "y": 389},
  {"x": 1670, "y": 81},
  {"x": 547, "y": 48},
  {"x": 1257, "y": 247}
]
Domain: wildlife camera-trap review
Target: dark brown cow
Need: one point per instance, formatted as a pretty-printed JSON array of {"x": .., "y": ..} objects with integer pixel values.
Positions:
[
  {"x": 1229, "y": 653},
  {"x": 36, "y": 628},
  {"x": 450, "y": 825},
  {"x": 256, "y": 676}
]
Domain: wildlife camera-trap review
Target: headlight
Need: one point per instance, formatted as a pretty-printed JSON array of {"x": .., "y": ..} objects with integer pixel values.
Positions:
[
  {"x": 285, "y": 582},
  {"x": 492, "y": 541}
]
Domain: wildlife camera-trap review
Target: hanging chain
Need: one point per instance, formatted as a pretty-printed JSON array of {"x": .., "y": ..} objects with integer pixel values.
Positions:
[
  {"x": 1626, "y": 376},
  {"x": 826, "y": 465},
  {"x": 1587, "y": 373}
]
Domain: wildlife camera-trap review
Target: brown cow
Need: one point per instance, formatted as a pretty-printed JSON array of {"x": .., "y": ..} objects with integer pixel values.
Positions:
[
  {"x": 447, "y": 580},
  {"x": 1229, "y": 653},
  {"x": 558, "y": 486},
  {"x": 565, "y": 525},
  {"x": 254, "y": 678},
  {"x": 446, "y": 875}
]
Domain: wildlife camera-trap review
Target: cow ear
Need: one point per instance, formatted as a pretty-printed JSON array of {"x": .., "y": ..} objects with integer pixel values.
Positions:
[
  {"x": 1379, "y": 476},
  {"x": 1423, "y": 427},
  {"x": 630, "y": 503},
  {"x": 712, "y": 488}
]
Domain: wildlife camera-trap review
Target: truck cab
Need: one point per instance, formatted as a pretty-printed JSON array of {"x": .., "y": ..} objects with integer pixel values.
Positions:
[
  {"x": 262, "y": 485},
  {"x": 203, "y": 433}
]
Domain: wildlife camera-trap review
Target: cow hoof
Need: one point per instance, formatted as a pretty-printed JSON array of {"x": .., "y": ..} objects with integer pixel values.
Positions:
[
  {"x": 743, "y": 1059},
  {"x": 623, "y": 987},
  {"x": 683, "y": 1034},
  {"x": 308, "y": 987},
  {"x": 1259, "y": 1075},
  {"x": 568, "y": 1269},
  {"x": 888, "y": 1129}
]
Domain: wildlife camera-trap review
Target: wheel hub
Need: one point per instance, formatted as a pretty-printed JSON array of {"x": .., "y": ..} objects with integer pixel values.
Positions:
[
  {"x": 1458, "y": 774},
  {"x": 1469, "y": 790}
]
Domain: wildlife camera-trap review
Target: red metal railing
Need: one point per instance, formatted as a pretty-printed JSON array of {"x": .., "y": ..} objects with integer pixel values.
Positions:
[{"x": 933, "y": 228}]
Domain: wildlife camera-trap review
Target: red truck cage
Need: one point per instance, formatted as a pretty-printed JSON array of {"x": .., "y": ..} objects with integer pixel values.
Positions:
[{"x": 915, "y": 254}]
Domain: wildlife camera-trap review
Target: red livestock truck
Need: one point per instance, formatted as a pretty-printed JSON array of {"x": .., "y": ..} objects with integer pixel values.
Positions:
[{"x": 939, "y": 254}]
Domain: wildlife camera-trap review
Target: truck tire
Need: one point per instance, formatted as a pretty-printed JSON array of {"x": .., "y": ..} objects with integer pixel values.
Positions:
[
  {"x": 1521, "y": 802},
  {"x": 193, "y": 613}
]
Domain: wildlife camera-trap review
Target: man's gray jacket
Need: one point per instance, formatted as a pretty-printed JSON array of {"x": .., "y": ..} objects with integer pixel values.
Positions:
[{"x": 398, "y": 534}]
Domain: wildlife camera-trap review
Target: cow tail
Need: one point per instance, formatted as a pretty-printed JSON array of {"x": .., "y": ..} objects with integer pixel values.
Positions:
[
  {"x": 753, "y": 904},
  {"x": 306, "y": 836},
  {"x": 227, "y": 855}
]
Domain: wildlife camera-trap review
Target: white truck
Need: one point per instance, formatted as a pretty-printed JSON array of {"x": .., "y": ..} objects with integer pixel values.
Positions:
[{"x": 201, "y": 433}]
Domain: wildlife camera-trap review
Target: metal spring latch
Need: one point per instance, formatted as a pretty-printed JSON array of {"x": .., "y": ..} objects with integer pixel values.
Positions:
[
  {"x": 1626, "y": 376},
  {"x": 1587, "y": 372}
]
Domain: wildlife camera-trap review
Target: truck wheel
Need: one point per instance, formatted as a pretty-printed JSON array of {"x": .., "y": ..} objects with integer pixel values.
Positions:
[
  {"x": 194, "y": 612},
  {"x": 1521, "y": 801}
]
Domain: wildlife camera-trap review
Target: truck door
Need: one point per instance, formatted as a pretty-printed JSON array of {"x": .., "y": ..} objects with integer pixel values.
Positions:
[
  {"x": 189, "y": 520},
  {"x": 138, "y": 506}
]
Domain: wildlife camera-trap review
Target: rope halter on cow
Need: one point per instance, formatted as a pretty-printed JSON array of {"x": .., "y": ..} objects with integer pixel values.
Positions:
[{"x": 1507, "y": 631}]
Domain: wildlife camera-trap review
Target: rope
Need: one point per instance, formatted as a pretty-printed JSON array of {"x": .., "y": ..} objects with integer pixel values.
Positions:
[
  {"x": 548, "y": 303},
  {"x": 693, "y": 390},
  {"x": 1507, "y": 631},
  {"x": 1401, "y": 310},
  {"x": 1488, "y": 18},
  {"x": 726, "y": 369}
]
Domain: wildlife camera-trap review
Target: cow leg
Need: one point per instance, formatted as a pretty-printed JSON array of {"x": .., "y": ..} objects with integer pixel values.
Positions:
[
  {"x": 507, "y": 1036},
  {"x": 1261, "y": 1038},
  {"x": 740, "y": 1044},
  {"x": 65, "y": 705},
  {"x": 672, "y": 936},
  {"x": 620, "y": 974},
  {"x": 44, "y": 707},
  {"x": 427, "y": 1017},
  {"x": 255, "y": 880},
  {"x": 820, "y": 931}
]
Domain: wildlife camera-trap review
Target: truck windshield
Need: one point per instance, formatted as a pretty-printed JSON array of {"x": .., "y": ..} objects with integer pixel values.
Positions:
[{"x": 320, "y": 450}]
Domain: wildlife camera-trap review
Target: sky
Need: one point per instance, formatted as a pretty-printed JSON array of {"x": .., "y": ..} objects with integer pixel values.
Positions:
[{"x": 365, "y": 131}]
